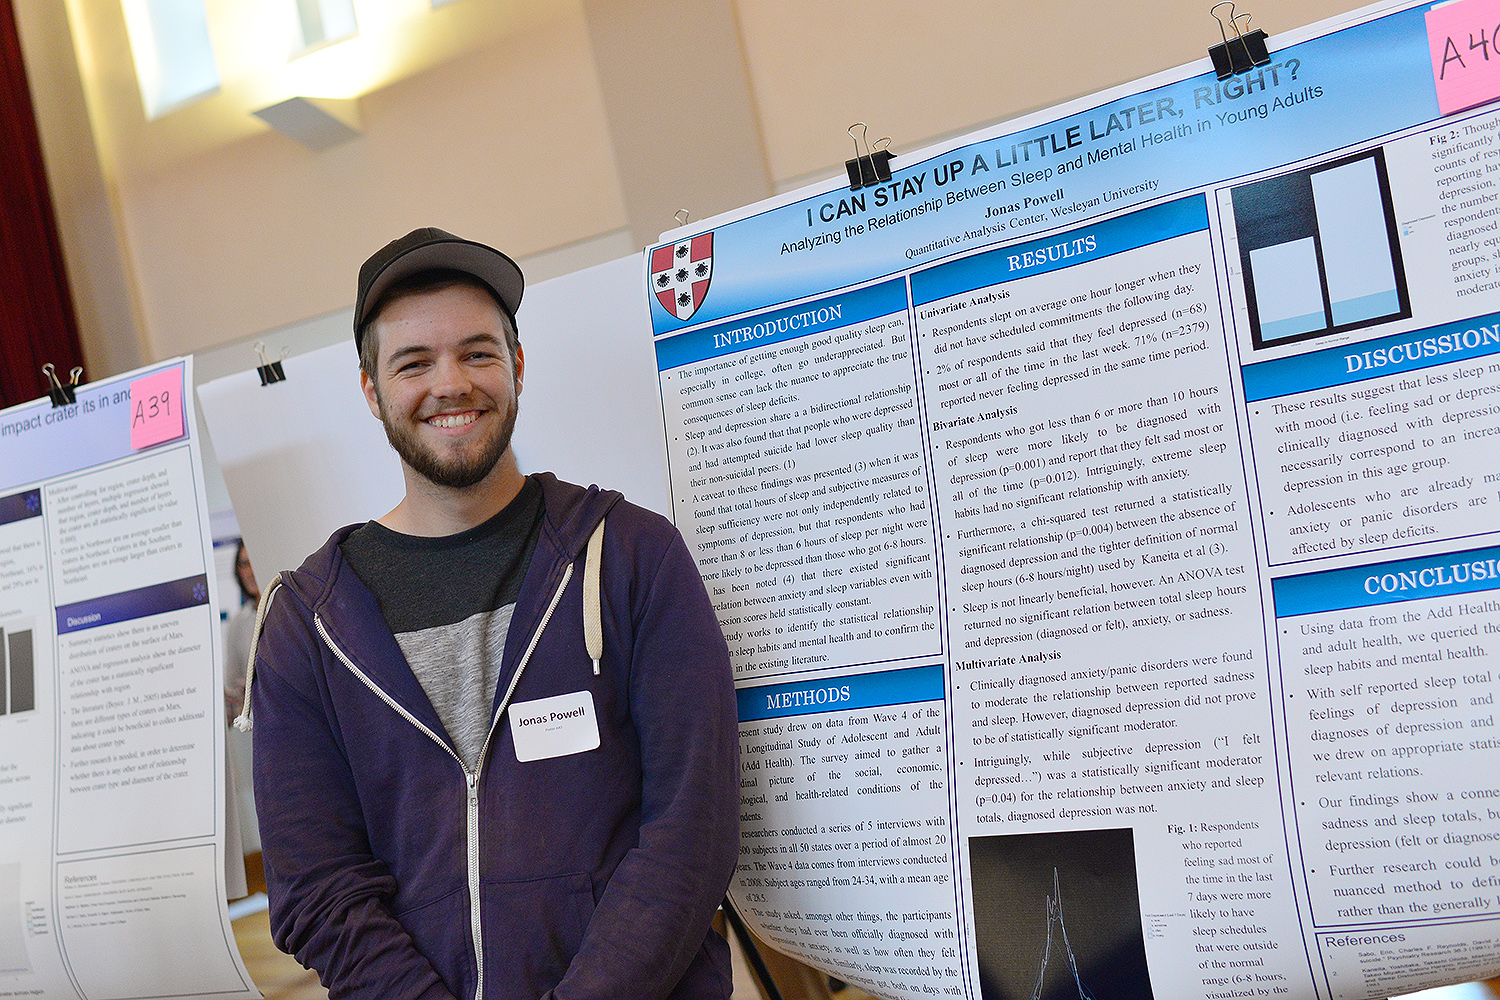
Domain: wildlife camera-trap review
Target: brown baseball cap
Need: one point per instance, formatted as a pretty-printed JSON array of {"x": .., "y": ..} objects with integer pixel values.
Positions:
[{"x": 430, "y": 249}]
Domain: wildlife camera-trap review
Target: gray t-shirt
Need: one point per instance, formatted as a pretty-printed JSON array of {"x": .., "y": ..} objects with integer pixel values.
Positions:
[{"x": 449, "y": 602}]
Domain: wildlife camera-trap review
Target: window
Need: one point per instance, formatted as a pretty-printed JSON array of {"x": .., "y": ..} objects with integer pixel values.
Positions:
[
  {"x": 174, "y": 60},
  {"x": 325, "y": 21}
]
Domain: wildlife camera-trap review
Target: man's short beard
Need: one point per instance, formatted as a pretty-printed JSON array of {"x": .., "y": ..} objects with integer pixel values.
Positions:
[{"x": 457, "y": 475}]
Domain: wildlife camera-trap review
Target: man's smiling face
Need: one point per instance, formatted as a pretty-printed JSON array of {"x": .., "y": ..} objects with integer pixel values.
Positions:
[{"x": 446, "y": 385}]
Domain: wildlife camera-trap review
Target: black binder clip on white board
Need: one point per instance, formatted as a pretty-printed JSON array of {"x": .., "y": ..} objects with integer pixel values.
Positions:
[
  {"x": 871, "y": 165},
  {"x": 270, "y": 371},
  {"x": 62, "y": 395},
  {"x": 1240, "y": 53}
]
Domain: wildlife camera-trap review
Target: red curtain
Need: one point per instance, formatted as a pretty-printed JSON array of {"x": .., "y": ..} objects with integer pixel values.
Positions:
[{"x": 37, "y": 323}]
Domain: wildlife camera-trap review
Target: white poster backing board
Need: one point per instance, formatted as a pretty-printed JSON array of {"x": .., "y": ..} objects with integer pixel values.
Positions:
[{"x": 305, "y": 456}]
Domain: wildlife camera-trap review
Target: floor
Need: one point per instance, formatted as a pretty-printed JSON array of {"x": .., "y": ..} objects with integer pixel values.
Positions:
[{"x": 278, "y": 976}]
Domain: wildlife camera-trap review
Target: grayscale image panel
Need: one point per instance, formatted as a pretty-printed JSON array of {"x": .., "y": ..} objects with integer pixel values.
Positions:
[
  {"x": 1057, "y": 916},
  {"x": 22, "y": 671}
]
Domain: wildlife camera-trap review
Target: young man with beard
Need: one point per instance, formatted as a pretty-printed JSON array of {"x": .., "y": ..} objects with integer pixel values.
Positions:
[{"x": 495, "y": 731}]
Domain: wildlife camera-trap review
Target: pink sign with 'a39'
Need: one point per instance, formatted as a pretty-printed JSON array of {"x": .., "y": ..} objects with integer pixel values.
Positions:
[{"x": 156, "y": 408}]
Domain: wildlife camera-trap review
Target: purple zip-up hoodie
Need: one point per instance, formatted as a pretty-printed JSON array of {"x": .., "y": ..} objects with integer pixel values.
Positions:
[{"x": 597, "y": 872}]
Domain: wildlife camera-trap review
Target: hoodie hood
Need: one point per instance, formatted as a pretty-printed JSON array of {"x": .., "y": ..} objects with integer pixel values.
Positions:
[{"x": 570, "y": 515}]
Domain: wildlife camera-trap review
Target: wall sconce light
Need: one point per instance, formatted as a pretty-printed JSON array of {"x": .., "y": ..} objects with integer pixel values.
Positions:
[{"x": 318, "y": 123}]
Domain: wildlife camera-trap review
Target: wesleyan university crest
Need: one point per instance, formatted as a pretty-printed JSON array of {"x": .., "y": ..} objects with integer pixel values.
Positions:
[{"x": 680, "y": 274}]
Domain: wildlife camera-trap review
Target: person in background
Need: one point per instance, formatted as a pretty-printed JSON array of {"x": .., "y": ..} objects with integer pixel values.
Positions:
[{"x": 237, "y": 637}]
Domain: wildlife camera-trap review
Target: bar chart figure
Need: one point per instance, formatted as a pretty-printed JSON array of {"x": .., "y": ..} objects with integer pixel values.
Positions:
[{"x": 1319, "y": 251}]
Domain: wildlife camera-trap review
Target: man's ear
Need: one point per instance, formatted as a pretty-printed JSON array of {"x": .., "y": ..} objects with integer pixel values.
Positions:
[
  {"x": 520, "y": 368},
  {"x": 367, "y": 386}
]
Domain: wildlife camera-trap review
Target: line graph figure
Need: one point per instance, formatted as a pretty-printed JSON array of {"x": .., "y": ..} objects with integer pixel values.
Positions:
[
  {"x": 1036, "y": 939},
  {"x": 1056, "y": 921}
]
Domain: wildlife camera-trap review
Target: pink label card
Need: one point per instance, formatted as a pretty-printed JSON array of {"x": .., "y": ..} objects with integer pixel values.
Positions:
[
  {"x": 1465, "y": 52},
  {"x": 156, "y": 408}
]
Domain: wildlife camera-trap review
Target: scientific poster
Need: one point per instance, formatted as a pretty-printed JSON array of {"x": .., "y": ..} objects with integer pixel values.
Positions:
[
  {"x": 112, "y": 813},
  {"x": 1102, "y": 514}
]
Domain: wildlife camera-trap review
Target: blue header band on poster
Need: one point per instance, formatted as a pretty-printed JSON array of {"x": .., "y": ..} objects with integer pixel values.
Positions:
[
  {"x": 1401, "y": 352},
  {"x": 1078, "y": 246},
  {"x": 838, "y": 694},
  {"x": 819, "y": 316},
  {"x": 131, "y": 604},
  {"x": 1123, "y": 151},
  {"x": 1387, "y": 583},
  {"x": 20, "y": 506},
  {"x": 43, "y": 441}
]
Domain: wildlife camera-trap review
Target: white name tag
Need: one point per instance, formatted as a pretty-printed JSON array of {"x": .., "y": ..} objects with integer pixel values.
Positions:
[{"x": 554, "y": 727}]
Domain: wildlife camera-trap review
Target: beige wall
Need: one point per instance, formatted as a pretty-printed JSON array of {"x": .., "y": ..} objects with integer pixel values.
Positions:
[
  {"x": 918, "y": 71},
  {"x": 537, "y": 125},
  {"x": 507, "y": 145}
]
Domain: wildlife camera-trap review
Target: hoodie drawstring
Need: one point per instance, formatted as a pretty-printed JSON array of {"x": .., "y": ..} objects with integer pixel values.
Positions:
[
  {"x": 593, "y": 625},
  {"x": 243, "y": 722}
]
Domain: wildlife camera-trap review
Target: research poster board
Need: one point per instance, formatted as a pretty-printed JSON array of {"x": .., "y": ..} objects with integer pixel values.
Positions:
[
  {"x": 1102, "y": 515},
  {"x": 112, "y": 772}
]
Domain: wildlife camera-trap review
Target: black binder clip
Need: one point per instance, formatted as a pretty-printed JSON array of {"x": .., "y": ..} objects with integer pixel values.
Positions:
[
  {"x": 1245, "y": 50},
  {"x": 872, "y": 165},
  {"x": 270, "y": 371},
  {"x": 62, "y": 395}
]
